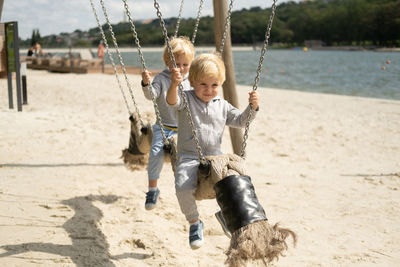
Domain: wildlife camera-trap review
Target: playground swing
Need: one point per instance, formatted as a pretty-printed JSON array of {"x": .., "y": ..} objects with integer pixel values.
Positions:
[
  {"x": 169, "y": 143},
  {"x": 136, "y": 155},
  {"x": 222, "y": 177}
]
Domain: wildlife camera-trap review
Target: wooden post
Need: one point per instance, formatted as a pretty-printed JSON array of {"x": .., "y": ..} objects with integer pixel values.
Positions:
[
  {"x": 24, "y": 90},
  {"x": 17, "y": 67},
  {"x": 1, "y": 7},
  {"x": 229, "y": 87}
]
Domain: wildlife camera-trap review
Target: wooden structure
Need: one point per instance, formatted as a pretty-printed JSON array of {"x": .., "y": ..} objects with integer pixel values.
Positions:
[
  {"x": 63, "y": 64},
  {"x": 3, "y": 62},
  {"x": 229, "y": 87}
]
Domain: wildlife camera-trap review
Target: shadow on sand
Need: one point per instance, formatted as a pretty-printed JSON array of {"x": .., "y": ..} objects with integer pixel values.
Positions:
[
  {"x": 27, "y": 165},
  {"x": 89, "y": 245}
]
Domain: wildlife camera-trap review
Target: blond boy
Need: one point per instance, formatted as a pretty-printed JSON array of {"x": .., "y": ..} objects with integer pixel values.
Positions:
[
  {"x": 210, "y": 115},
  {"x": 183, "y": 51}
]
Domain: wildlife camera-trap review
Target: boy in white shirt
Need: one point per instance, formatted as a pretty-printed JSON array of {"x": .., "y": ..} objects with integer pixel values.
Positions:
[{"x": 210, "y": 114}]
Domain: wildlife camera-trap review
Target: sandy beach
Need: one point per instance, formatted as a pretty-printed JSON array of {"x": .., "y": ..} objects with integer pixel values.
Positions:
[{"x": 326, "y": 166}]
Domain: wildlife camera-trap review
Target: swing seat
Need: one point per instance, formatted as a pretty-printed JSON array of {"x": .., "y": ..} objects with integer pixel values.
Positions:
[
  {"x": 253, "y": 238},
  {"x": 141, "y": 136},
  {"x": 171, "y": 151},
  {"x": 220, "y": 167},
  {"x": 136, "y": 155}
]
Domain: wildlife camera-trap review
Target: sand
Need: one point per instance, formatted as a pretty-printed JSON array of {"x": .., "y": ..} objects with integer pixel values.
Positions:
[{"x": 325, "y": 166}]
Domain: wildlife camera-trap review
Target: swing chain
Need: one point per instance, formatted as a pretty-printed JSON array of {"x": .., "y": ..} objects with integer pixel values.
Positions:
[
  {"x": 179, "y": 19},
  {"x": 121, "y": 61},
  {"x": 185, "y": 101},
  {"x": 226, "y": 26},
  {"x": 257, "y": 78},
  {"x": 135, "y": 34},
  {"x": 109, "y": 56},
  {"x": 197, "y": 21},
  {"x": 156, "y": 109},
  {"x": 264, "y": 49}
]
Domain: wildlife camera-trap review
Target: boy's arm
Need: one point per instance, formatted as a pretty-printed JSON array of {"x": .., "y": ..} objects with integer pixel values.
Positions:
[
  {"x": 172, "y": 94},
  {"x": 146, "y": 85},
  {"x": 154, "y": 86},
  {"x": 238, "y": 119}
]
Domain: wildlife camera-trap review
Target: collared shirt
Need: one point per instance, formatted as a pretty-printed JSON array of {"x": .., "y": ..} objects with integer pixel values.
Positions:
[
  {"x": 160, "y": 86},
  {"x": 209, "y": 123}
]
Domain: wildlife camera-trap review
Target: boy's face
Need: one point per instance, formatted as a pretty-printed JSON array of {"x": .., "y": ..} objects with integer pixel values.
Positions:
[
  {"x": 183, "y": 63},
  {"x": 206, "y": 88}
]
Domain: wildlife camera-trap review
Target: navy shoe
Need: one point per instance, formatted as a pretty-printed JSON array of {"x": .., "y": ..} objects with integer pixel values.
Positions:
[
  {"x": 151, "y": 199},
  {"x": 196, "y": 235},
  {"x": 222, "y": 222}
]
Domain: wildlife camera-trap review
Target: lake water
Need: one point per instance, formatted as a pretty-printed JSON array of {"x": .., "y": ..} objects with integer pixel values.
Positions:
[{"x": 356, "y": 73}]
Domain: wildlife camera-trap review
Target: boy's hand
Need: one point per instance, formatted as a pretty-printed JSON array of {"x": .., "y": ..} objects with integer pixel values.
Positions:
[
  {"x": 176, "y": 76},
  {"x": 253, "y": 99},
  {"x": 146, "y": 77}
]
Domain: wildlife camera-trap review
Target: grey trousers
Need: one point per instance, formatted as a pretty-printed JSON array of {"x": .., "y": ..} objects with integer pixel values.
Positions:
[{"x": 185, "y": 186}]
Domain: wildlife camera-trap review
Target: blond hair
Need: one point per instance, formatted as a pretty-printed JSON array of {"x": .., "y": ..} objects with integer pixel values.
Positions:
[
  {"x": 180, "y": 46},
  {"x": 207, "y": 65}
]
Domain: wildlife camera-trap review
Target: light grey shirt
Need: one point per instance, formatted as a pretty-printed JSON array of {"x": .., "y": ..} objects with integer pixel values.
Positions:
[
  {"x": 160, "y": 86},
  {"x": 209, "y": 122}
]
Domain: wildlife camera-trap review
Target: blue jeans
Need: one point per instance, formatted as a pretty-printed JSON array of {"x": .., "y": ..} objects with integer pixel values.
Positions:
[{"x": 156, "y": 157}]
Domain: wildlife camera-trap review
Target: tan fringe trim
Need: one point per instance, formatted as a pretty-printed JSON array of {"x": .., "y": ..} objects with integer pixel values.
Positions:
[
  {"x": 258, "y": 241},
  {"x": 134, "y": 162}
]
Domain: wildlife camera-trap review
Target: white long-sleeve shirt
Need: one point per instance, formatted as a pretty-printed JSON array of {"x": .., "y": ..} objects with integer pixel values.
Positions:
[{"x": 209, "y": 122}]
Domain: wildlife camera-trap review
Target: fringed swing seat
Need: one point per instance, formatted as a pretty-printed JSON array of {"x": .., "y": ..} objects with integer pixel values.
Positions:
[
  {"x": 253, "y": 238},
  {"x": 136, "y": 156}
]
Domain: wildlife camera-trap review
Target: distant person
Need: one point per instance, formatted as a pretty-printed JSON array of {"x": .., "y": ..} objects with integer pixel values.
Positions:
[
  {"x": 100, "y": 50},
  {"x": 38, "y": 49},
  {"x": 100, "y": 54},
  {"x": 31, "y": 51}
]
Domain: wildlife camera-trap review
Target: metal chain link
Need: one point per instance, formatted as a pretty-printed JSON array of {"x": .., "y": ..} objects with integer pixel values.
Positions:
[
  {"x": 121, "y": 62},
  {"x": 226, "y": 26},
  {"x": 153, "y": 99},
  {"x": 179, "y": 19},
  {"x": 109, "y": 56},
  {"x": 185, "y": 101},
  {"x": 196, "y": 26},
  {"x": 135, "y": 35},
  {"x": 257, "y": 78}
]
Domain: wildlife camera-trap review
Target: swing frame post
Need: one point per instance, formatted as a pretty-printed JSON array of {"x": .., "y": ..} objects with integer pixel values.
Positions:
[{"x": 229, "y": 86}]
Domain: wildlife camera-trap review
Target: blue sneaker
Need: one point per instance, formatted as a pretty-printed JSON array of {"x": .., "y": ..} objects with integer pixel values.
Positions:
[
  {"x": 151, "y": 199},
  {"x": 196, "y": 235},
  {"x": 222, "y": 222}
]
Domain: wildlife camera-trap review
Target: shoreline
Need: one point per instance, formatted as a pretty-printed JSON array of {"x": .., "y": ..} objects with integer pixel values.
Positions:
[{"x": 211, "y": 48}]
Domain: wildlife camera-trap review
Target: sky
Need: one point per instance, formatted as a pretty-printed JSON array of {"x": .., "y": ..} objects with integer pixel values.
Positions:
[{"x": 56, "y": 16}]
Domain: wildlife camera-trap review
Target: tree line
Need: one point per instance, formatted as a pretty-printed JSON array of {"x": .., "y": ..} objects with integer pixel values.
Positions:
[{"x": 333, "y": 22}]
